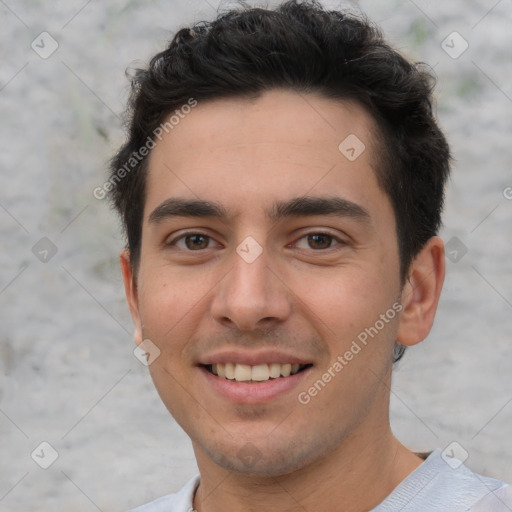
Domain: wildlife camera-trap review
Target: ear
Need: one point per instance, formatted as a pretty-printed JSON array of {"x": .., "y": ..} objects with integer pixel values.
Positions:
[
  {"x": 131, "y": 291},
  {"x": 420, "y": 294}
]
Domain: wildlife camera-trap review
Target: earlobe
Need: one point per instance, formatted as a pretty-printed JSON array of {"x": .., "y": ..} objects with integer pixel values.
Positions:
[
  {"x": 131, "y": 291},
  {"x": 421, "y": 292}
]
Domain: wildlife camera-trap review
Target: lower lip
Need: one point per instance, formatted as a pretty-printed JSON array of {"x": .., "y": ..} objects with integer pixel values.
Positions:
[{"x": 256, "y": 393}]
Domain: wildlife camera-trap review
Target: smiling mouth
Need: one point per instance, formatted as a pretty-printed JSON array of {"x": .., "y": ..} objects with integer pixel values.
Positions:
[{"x": 254, "y": 374}]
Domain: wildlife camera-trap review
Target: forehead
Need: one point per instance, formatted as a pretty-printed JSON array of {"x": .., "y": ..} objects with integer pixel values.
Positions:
[{"x": 249, "y": 153}]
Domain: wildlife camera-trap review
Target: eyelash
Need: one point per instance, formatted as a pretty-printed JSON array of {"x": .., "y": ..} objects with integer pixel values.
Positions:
[{"x": 335, "y": 241}]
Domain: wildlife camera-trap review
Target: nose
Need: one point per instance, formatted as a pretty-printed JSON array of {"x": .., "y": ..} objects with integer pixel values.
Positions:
[{"x": 251, "y": 296}]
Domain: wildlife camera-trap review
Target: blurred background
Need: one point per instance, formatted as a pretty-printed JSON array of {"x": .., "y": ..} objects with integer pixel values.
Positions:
[{"x": 68, "y": 375}]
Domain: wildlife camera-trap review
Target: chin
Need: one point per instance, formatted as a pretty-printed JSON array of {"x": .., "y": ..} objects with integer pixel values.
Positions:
[{"x": 264, "y": 459}]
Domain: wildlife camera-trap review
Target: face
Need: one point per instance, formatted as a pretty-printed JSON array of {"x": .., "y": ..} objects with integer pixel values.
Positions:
[{"x": 267, "y": 249}]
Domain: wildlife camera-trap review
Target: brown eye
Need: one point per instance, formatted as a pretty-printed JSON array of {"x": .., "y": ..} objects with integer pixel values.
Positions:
[
  {"x": 196, "y": 242},
  {"x": 192, "y": 241},
  {"x": 320, "y": 241}
]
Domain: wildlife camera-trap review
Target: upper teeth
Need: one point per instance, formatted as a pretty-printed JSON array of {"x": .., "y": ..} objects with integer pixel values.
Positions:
[{"x": 259, "y": 372}]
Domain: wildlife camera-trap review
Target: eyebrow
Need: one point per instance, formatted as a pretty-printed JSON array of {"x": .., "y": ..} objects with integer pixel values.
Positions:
[
  {"x": 174, "y": 207},
  {"x": 306, "y": 206}
]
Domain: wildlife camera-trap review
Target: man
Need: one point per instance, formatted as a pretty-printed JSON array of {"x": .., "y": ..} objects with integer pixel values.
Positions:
[{"x": 281, "y": 191}]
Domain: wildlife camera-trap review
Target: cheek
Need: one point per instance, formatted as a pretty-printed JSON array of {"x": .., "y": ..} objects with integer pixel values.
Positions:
[
  {"x": 172, "y": 305},
  {"x": 163, "y": 301},
  {"x": 344, "y": 296},
  {"x": 349, "y": 302}
]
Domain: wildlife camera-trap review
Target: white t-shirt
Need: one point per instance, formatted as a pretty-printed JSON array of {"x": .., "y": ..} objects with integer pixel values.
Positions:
[{"x": 435, "y": 486}]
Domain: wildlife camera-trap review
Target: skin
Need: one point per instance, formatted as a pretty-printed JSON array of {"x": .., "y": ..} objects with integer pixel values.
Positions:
[{"x": 306, "y": 298}]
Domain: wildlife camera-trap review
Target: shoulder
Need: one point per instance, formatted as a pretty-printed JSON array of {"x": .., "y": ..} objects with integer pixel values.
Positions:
[
  {"x": 442, "y": 483},
  {"x": 499, "y": 500},
  {"x": 178, "y": 502}
]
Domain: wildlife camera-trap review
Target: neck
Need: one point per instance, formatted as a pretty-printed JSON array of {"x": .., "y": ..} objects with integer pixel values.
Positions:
[{"x": 360, "y": 473}]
